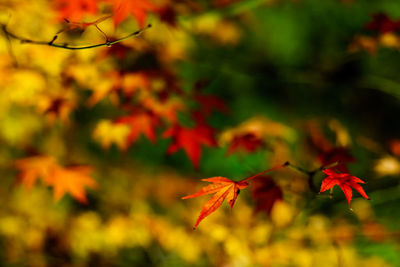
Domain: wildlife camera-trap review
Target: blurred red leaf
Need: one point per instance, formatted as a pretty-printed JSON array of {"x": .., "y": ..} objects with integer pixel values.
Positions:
[
  {"x": 76, "y": 9},
  {"x": 382, "y": 24},
  {"x": 394, "y": 146},
  {"x": 248, "y": 142},
  {"x": 168, "y": 15},
  {"x": 222, "y": 188},
  {"x": 345, "y": 181},
  {"x": 265, "y": 192},
  {"x": 139, "y": 8},
  {"x": 209, "y": 103},
  {"x": 141, "y": 122},
  {"x": 190, "y": 140}
]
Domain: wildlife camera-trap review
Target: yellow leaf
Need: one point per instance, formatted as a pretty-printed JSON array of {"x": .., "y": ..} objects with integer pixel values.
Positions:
[{"x": 108, "y": 133}]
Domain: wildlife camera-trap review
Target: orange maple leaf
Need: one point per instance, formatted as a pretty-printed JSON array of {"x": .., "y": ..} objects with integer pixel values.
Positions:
[
  {"x": 33, "y": 168},
  {"x": 223, "y": 188},
  {"x": 70, "y": 180},
  {"x": 345, "y": 181},
  {"x": 138, "y": 8}
]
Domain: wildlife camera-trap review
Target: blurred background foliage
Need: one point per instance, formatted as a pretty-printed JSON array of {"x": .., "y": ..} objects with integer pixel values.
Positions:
[{"x": 97, "y": 146}]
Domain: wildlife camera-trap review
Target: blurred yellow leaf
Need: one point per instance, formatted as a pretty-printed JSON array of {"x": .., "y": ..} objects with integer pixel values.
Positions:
[
  {"x": 387, "y": 165},
  {"x": 282, "y": 214},
  {"x": 107, "y": 133}
]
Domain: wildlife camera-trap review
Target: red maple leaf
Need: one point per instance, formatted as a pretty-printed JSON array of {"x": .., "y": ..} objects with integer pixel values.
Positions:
[
  {"x": 190, "y": 140},
  {"x": 208, "y": 103},
  {"x": 345, "y": 181},
  {"x": 138, "y": 8},
  {"x": 381, "y": 23},
  {"x": 265, "y": 192},
  {"x": 76, "y": 10},
  {"x": 141, "y": 123},
  {"x": 223, "y": 188}
]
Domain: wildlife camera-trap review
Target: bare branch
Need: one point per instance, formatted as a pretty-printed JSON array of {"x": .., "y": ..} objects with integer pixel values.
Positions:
[{"x": 67, "y": 46}]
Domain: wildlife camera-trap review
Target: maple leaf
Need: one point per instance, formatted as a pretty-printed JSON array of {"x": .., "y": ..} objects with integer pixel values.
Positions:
[
  {"x": 345, "y": 181},
  {"x": 107, "y": 133},
  {"x": 222, "y": 188},
  {"x": 248, "y": 142},
  {"x": 265, "y": 192},
  {"x": 140, "y": 123},
  {"x": 76, "y": 9},
  {"x": 208, "y": 103},
  {"x": 33, "y": 168},
  {"x": 115, "y": 82},
  {"x": 138, "y": 8},
  {"x": 190, "y": 140},
  {"x": 72, "y": 180},
  {"x": 166, "y": 109},
  {"x": 382, "y": 24}
]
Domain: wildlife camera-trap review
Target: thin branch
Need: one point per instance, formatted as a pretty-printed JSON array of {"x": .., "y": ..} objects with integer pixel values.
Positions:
[
  {"x": 264, "y": 172},
  {"x": 67, "y": 46},
  {"x": 10, "y": 49}
]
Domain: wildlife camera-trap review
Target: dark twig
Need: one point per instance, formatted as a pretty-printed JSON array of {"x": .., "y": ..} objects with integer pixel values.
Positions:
[
  {"x": 9, "y": 47},
  {"x": 67, "y": 46},
  {"x": 311, "y": 174}
]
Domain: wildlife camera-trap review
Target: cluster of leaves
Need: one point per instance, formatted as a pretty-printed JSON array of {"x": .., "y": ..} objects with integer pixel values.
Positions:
[
  {"x": 77, "y": 10},
  {"x": 142, "y": 91},
  {"x": 382, "y": 31},
  {"x": 154, "y": 98}
]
